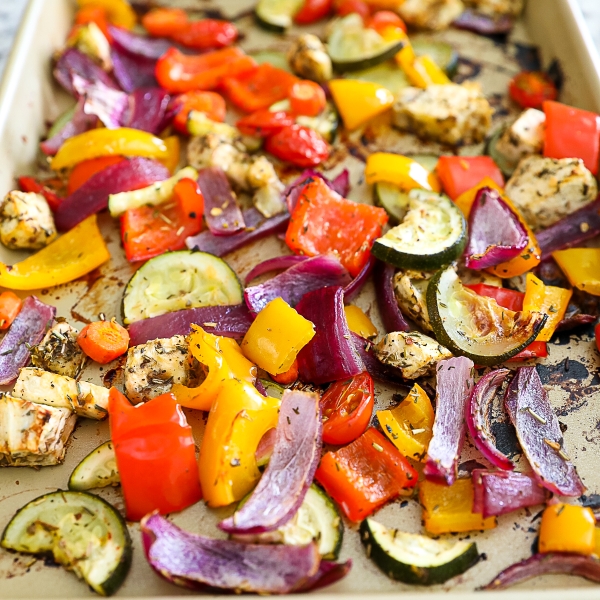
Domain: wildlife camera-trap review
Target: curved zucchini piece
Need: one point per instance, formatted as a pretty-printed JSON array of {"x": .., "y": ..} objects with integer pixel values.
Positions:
[
  {"x": 442, "y": 53},
  {"x": 273, "y": 58},
  {"x": 432, "y": 234},
  {"x": 475, "y": 326},
  {"x": 491, "y": 150},
  {"x": 276, "y": 15},
  {"x": 84, "y": 533},
  {"x": 387, "y": 74},
  {"x": 97, "y": 470},
  {"x": 327, "y": 123},
  {"x": 413, "y": 558},
  {"x": 177, "y": 280},
  {"x": 392, "y": 199},
  {"x": 343, "y": 63}
]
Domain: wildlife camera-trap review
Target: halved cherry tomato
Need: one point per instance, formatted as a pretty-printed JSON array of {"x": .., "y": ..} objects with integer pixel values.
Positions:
[
  {"x": 312, "y": 11},
  {"x": 347, "y": 407},
  {"x": 94, "y": 14},
  {"x": 307, "y": 98},
  {"x": 301, "y": 146},
  {"x": 206, "y": 34},
  {"x": 597, "y": 333},
  {"x": 383, "y": 19},
  {"x": 263, "y": 123},
  {"x": 210, "y": 103},
  {"x": 461, "y": 173},
  {"x": 529, "y": 89},
  {"x": 85, "y": 169},
  {"x": 347, "y": 7},
  {"x": 163, "y": 22},
  {"x": 29, "y": 184}
]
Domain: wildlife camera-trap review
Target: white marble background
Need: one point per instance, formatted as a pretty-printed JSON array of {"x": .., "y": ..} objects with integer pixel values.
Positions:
[{"x": 11, "y": 12}]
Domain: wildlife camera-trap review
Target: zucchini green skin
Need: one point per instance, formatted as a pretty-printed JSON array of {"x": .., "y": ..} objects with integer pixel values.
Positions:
[
  {"x": 10, "y": 537},
  {"x": 265, "y": 24},
  {"x": 345, "y": 66},
  {"x": 279, "y": 20},
  {"x": 272, "y": 57},
  {"x": 411, "y": 574},
  {"x": 85, "y": 477},
  {"x": 442, "y": 53},
  {"x": 392, "y": 199},
  {"x": 490, "y": 149},
  {"x": 386, "y": 74}
]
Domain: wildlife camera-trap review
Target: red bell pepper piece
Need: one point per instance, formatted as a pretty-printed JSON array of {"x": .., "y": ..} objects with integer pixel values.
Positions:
[
  {"x": 461, "y": 173},
  {"x": 299, "y": 145},
  {"x": 313, "y": 11},
  {"x": 30, "y": 184},
  {"x": 97, "y": 15},
  {"x": 384, "y": 19},
  {"x": 87, "y": 168},
  {"x": 597, "y": 334},
  {"x": 260, "y": 88},
  {"x": 155, "y": 455},
  {"x": 534, "y": 350},
  {"x": 151, "y": 230},
  {"x": 529, "y": 89},
  {"x": 572, "y": 133},
  {"x": 178, "y": 73},
  {"x": 325, "y": 223},
  {"x": 163, "y": 22},
  {"x": 366, "y": 474},
  {"x": 206, "y": 34},
  {"x": 210, "y": 103},
  {"x": 347, "y": 7},
  {"x": 264, "y": 123}
]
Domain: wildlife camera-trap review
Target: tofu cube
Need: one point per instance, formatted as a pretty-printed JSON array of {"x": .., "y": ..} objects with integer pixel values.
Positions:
[
  {"x": 59, "y": 351},
  {"x": 524, "y": 137},
  {"x": 430, "y": 14}
]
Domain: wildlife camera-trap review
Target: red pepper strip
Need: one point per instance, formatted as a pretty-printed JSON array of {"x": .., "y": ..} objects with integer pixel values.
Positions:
[
  {"x": 177, "y": 72},
  {"x": 206, "y": 34},
  {"x": 534, "y": 350},
  {"x": 260, "y": 88},
  {"x": 301, "y": 146},
  {"x": 312, "y": 11},
  {"x": 29, "y": 184},
  {"x": 151, "y": 230},
  {"x": 210, "y": 103},
  {"x": 155, "y": 455},
  {"x": 366, "y": 474},
  {"x": 597, "y": 335},
  {"x": 461, "y": 173},
  {"x": 264, "y": 123}
]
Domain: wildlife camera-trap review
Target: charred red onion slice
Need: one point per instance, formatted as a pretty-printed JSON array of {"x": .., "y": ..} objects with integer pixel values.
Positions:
[
  {"x": 547, "y": 564},
  {"x": 498, "y": 493},
  {"x": 354, "y": 287},
  {"x": 479, "y": 415},
  {"x": 150, "y": 110},
  {"x": 483, "y": 24},
  {"x": 274, "y": 264},
  {"x": 133, "y": 71},
  {"x": 392, "y": 317},
  {"x": 454, "y": 384},
  {"x": 198, "y": 562},
  {"x": 496, "y": 234},
  {"x": 27, "y": 330},
  {"x": 330, "y": 355},
  {"x": 539, "y": 434},
  {"x": 569, "y": 323},
  {"x": 291, "y": 285},
  {"x": 221, "y": 211},
  {"x": 73, "y": 62},
  {"x": 291, "y": 468}
]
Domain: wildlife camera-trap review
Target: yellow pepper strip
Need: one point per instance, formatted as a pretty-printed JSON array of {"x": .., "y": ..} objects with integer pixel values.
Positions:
[
  {"x": 119, "y": 12},
  {"x": 359, "y": 322},
  {"x": 422, "y": 71},
  {"x": 107, "y": 142},
  {"x": 546, "y": 299},
  {"x": 173, "y": 159},
  {"x": 359, "y": 101},
  {"x": 568, "y": 528},
  {"x": 75, "y": 253},
  {"x": 224, "y": 360},
  {"x": 466, "y": 199},
  {"x": 237, "y": 421},
  {"x": 276, "y": 336},
  {"x": 582, "y": 268},
  {"x": 409, "y": 426},
  {"x": 597, "y": 548},
  {"x": 400, "y": 170},
  {"x": 448, "y": 509}
]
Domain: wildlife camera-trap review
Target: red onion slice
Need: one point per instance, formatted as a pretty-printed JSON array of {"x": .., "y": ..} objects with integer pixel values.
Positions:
[
  {"x": 148, "y": 47},
  {"x": 479, "y": 415},
  {"x": 496, "y": 234},
  {"x": 340, "y": 185},
  {"x": 498, "y": 493},
  {"x": 73, "y": 62},
  {"x": 28, "y": 329},
  {"x": 102, "y": 101},
  {"x": 374, "y": 366},
  {"x": 150, "y": 110},
  {"x": 354, "y": 287},
  {"x": 274, "y": 264},
  {"x": 539, "y": 434},
  {"x": 328, "y": 574},
  {"x": 547, "y": 564},
  {"x": 330, "y": 355},
  {"x": 201, "y": 563},
  {"x": 392, "y": 317},
  {"x": 80, "y": 123},
  {"x": 454, "y": 383},
  {"x": 133, "y": 71},
  {"x": 479, "y": 23},
  {"x": 290, "y": 471},
  {"x": 221, "y": 211}
]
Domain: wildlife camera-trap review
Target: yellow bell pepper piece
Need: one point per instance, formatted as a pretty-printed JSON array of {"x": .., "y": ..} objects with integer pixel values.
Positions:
[
  {"x": 224, "y": 360},
  {"x": 582, "y": 268},
  {"x": 597, "y": 549},
  {"x": 107, "y": 142},
  {"x": 119, "y": 12},
  {"x": 75, "y": 253},
  {"x": 448, "y": 509},
  {"x": 568, "y": 528},
  {"x": 400, "y": 170},
  {"x": 359, "y": 322},
  {"x": 422, "y": 71},
  {"x": 466, "y": 199},
  {"x": 409, "y": 426},
  {"x": 276, "y": 336},
  {"x": 546, "y": 299},
  {"x": 359, "y": 101},
  {"x": 237, "y": 421},
  {"x": 173, "y": 159}
]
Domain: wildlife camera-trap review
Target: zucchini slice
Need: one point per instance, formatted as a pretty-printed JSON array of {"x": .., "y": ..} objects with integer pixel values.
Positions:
[
  {"x": 506, "y": 166},
  {"x": 432, "y": 234},
  {"x": 475, "y": 326},
  {"x": 392, "y": 199},
  {"x": 97, "y": 470},
  {"x": 413, "y": 558},
  {"x": 442, "y": 53},
  {"x": 273, "y": 58},
  {"x": 177, "y": 280},
  {"x": 84, "y": 533},
  {"x": 352, "y": 46},
  {"x": 387, "y": 74},
  {"x": 317, "y": 519},
  {"x": 276, "y": 15},
  {"x": 326, "y": 123}
]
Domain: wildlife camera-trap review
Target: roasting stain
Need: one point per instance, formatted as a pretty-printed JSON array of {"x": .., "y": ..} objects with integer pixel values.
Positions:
[
  {"x": 506, "y": 438},
  {"x": 528, "y": 57},
  {"x": 467, "y": 69}
]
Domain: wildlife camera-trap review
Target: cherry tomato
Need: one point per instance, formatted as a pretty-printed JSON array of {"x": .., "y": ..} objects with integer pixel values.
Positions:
[
  {"x": 312, "y": 11},
  {"x": 299, "y": 145},
  {"x": 347, "y": 407},
  {"x": 210, "y": 103},
  {"x": 307, "y": 98},
  {"x": 165, "y": 21},
  {"x": 206, "y": 34},
  {"x": 597, "y": 332},
  {"x": 529, "y": 89},
  {"x": 263, "y": 123},
  {"x": 383, "y": 19},
  {"x": 347, "y": 7}
]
